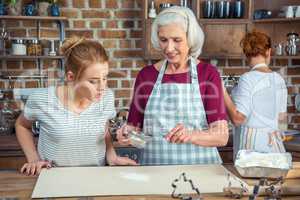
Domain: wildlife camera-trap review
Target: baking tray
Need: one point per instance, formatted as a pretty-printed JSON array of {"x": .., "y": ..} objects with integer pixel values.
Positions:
[{"x": 261, "y": 172}]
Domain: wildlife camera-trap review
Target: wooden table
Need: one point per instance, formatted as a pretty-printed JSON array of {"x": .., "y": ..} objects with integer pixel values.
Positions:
[{"x": 15, "y": 185}]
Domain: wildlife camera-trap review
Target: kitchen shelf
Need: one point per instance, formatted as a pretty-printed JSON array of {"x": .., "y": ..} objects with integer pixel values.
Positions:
[
  {"x": 223, "y": 21},
  {"x": 60, "y": 21},
  {"x": 222, "y": 56},
  {"x": 12, "y": 57},
  {"x": 223, "y": 35},
  {"x": 22, "y": 77},
  {"x": 43, "y": 18},
  {"x": 286, "y": 57},
  {"x": 272, "y": 20},
  {"x": 228, "y": 56}
]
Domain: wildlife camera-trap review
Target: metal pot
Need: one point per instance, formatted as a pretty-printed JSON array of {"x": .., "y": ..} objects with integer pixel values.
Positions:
[{"x": 291, "y": 47}]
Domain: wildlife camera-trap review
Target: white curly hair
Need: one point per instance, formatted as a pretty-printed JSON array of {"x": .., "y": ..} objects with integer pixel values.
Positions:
[{"x": 186, "y": 18}]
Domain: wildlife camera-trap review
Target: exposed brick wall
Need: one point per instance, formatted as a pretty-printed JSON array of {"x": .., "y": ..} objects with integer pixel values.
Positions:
[{"x": 118, "y": 25}]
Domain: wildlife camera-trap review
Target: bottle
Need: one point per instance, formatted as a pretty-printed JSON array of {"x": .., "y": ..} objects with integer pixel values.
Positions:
[
  {"x": 34, "y": 48},
  {"x": 238, "y": 9},
  {"x": 279, "y": 49},
  {"x": 18, "y": 47},
  {"x": 184, "y": 3},
  {"x": 152, "y": 11}
]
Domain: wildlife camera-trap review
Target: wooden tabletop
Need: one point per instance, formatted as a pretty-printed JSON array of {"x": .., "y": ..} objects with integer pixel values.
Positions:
[{"x": 15, "y": 185}]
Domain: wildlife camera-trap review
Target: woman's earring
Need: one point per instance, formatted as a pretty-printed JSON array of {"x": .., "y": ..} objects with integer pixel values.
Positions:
[{"x": 70, "y": 76}]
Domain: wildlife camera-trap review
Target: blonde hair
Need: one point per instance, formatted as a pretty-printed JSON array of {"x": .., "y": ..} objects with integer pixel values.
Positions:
[
  {"x": 81, "y": 53},
  {"x": 184, "y": 17}
]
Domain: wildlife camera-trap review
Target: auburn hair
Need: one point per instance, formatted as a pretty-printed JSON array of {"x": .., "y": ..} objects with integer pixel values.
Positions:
[
  {"x": 81, "y": 53},
  {"x": 255, "y": 43}
]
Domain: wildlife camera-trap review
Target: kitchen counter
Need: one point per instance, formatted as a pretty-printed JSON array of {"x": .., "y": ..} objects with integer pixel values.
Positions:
[
  {"x": 294, "y": 147},
  {"x": 15, "y": 185},
  {"x": 12, "y": 156}
]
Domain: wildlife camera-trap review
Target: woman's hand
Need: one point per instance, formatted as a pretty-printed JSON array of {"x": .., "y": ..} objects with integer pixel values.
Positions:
[
  {"x": 122, "y": 134},
  {"x": 35, "y": 168},
  {"x": 117, "y": 160},
  {"x": 216, "y": 135},
  {"x": 179, "y": 135}
]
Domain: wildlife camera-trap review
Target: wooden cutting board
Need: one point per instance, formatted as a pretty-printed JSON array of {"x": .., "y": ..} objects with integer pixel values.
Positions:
[
  {"x": 140, "y": 180},
  {"x": 295, "y": 171}
]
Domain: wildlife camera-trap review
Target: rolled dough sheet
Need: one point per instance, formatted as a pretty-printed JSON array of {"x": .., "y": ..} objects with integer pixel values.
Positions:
[{"x": 137, "y": 180}]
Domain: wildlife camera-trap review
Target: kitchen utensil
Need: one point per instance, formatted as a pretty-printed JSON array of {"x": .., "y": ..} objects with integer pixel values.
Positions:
[
  {"x": 184, "y": 3},
  {"x": 8, "y": 118},
  {"x": 138, "y": 140},
  {"x": 182, "y": 177},
  {"x": 163, "y": 6},
  {"x": 116, "y": 123},
  {"x": 272, "y": 189},
  {"x": 262, "y": 14},
  {"x": 3, "y": 39},
  {"x": 208, "y": 9},
  {"x": 36, "y": 128},
  {"x": 52, "y": 50},
  {"x": 279, "y": 49},
  {"x": 263, "y": 165},
  {"x": 292, "y": 40}
]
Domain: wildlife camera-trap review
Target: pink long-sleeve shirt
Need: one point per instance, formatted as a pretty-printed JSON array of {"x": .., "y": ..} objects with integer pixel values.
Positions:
[{"x": 209, "y": 83}]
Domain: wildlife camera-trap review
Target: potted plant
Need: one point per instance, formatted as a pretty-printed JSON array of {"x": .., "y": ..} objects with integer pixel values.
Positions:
[
  {"x": 14, "y": 7},
  {"x": 43, "y": 6}
]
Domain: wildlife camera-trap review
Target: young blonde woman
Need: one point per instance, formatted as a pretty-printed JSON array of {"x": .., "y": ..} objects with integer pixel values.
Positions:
[{"x": 72, "y": 116}]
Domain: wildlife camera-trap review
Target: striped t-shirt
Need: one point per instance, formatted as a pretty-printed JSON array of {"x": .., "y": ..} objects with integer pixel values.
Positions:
[{"x": 67, "y": 138}]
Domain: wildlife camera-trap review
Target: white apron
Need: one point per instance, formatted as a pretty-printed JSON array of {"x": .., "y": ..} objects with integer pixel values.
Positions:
[{"x": 265, "y": 139}]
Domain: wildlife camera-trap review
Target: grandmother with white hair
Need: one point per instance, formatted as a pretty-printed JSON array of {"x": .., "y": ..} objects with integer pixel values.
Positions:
[{"x": 178, "y": 100}]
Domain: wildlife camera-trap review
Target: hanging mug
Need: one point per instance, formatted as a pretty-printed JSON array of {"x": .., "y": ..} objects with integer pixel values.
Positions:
[
  {"x": 2, "y": 9},
  {"x": 54, "y": 10},
  {"x": 29, "y": 10}
]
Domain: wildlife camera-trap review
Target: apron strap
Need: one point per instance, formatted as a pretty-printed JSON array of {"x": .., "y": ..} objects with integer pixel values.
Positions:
[{"x": 193, "y": 70}]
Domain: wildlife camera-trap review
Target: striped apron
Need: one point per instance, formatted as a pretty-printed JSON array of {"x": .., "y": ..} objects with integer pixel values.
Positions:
[
  {"x": 258, "y": 139},
  {"x": 266, "y": 139},
  {"x": 168, "y": 105}
]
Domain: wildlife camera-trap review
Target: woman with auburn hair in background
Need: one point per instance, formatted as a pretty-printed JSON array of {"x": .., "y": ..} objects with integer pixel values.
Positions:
[
  {"x": 259, "y": 101},
  {"x": 72, "y": 116}
]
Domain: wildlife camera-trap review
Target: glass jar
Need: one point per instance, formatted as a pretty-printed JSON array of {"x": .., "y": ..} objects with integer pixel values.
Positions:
[
  {"x": 34, "y": 48},
  {"x": 18, "y": 47}
]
